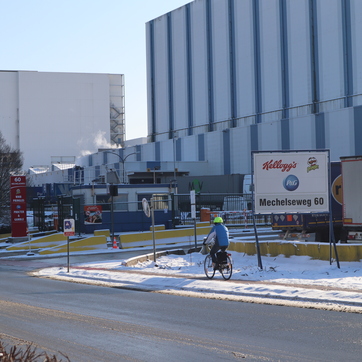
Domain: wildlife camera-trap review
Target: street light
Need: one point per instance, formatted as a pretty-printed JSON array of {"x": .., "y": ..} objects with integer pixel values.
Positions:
[
  {"x": 123, "y": 160},
  {"x": 174, "y": 139},
  {"x": 112, "y": 193}
]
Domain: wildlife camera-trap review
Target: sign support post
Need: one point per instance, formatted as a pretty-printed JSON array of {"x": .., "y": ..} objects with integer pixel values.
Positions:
[
  {"x": 69, "y": 230},
  {"x": 331, "y": 231},
  {"x": 68, "y": 256},
  {"x": 193, "y": 213},
  {"x": 153, "y": 228},
  {"x": 149, "y": 212},
  {"x": 260, "y": 264}
]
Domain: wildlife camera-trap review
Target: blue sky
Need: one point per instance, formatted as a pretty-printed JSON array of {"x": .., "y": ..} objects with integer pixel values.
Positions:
[{"x": 84, "y": 36}]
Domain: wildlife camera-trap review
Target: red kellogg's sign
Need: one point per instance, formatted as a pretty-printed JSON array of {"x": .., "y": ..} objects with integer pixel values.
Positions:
[{"x": 284, "y": 167}]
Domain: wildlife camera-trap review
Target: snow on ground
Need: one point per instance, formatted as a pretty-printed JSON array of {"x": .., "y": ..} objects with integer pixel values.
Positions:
[{"x": 295, "y": 281}]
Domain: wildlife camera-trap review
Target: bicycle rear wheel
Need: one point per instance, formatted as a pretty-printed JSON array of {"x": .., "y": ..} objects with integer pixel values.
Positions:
[
  {"x": 227, "y": 269},
  {"x": 209, "y": 270}
]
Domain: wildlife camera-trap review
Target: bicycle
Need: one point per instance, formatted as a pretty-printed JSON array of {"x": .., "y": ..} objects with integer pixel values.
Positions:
[{"x": 225, "y": 265}]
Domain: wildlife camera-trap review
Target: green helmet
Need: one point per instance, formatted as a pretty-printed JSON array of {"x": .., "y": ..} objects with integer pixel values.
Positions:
[{"x": 218, "y": 220}]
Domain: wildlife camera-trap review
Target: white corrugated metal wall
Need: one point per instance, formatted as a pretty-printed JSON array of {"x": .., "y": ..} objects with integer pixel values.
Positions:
[
  {"x": 278, "y": 74},
  {"x": 48, "y": 114}
]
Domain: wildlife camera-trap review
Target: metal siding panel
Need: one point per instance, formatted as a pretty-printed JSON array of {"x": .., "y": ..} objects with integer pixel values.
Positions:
[
  {"x": 199, "y": 63},
  {"x": 149, "y": 150},
  {"x": 213, "y": 142},
  {"x": 358, "y": 130},
  {"x": 244, "y": 53},
  {"x": 330, "y": 49},
  {"x": 299, "y": 53},
  {"x": 347, "y": 53},
  {"x": 210, "y": 65},
  {"x": 284, "y": 58},
  {"x": 254, "y": 139},
  {"x": 356, "y": 29},
  {"x": 232, "y": 63},
  {"x": 9, "y": 107},
  {"x": 190, "y": 104},
  {"x": 150, "y": 51},
  {"x": 189, "y": 149},
  {"x": 139, "y": 153},
  {"x": 178, "y": 149},
  {"x": 97, "y": 172},
  {"x": 201, "y": 147},
  {"x": 226, "y": 151},
  {"x": 161, "y": 76},
  {"x": 221, "y": 61},
  {"x": 314, "y": 55},
  {"x": 284, "y": 133},
  {"x": 269, "y": 136},
  {"x": 170, "y": 75},
  {"x": 257, "y": 61},
  {"x": 180, "y": 70},
  {"x": 339, "y": 135},
  {"x": 157, "y": 151},
  {"x": 320, "y": 138},
  {"x": 270, "y": 56},
  {"x": 302, "y": 133},
  {"x": 240, "y": 150}
]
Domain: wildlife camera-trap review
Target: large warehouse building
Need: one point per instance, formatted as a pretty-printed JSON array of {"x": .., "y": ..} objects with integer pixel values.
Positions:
[
  {"x": 55, "y": 117},
  {"x": 227, "y": 77}
]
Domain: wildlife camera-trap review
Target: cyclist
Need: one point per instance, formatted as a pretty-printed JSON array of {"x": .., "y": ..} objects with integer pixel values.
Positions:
[{"x": 220, "y": 234}]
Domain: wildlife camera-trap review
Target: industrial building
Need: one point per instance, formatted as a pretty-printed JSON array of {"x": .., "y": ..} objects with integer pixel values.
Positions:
[
  {"x": 53, "y": 118},
  {"x": 228, "y": 77}
]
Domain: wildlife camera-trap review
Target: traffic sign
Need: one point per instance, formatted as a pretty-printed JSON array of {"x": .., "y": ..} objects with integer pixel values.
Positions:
[{"x": 69, "y": 227}]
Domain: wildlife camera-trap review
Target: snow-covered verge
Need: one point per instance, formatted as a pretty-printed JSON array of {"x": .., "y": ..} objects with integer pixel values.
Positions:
[{"x": 296, "y": 281}]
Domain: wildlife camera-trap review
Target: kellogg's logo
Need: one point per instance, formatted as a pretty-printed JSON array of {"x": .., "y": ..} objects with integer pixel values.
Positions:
[
  {"x": 284, "y": 167},
  {"x": 312, "y": 164},
  {"x": 291, "y": 183}
]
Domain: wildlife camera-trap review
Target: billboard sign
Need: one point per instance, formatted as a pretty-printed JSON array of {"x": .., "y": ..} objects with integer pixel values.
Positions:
[
  {"x": 287, "y": 182},
  {"x": 18, "y": 206},
  {"x": 93, "y": 214}
]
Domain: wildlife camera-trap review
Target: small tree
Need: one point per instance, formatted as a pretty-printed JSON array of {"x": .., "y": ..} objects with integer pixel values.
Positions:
[{"x": 11, "y": 163}]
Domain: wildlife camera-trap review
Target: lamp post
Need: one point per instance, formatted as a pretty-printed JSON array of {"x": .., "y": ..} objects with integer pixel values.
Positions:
[
  {"x": 112, "y": 193},
  {"x": 174, "y": 139},
  {"x": 123, "y": 160}
]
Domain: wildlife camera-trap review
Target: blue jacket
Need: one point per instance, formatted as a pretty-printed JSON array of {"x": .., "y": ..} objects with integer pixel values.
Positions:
[{"x": 220, "y": 233}]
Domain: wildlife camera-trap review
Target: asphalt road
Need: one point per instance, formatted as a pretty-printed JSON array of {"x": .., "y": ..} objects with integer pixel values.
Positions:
[{"x": 92, "y": 323}]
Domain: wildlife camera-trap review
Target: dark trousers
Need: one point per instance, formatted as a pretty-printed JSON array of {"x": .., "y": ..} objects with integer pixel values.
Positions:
[{"x": 214, "y": 250}]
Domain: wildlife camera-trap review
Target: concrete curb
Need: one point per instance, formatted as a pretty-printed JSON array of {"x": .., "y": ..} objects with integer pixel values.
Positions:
[
  {"x": 181, "y": 284},
  {"x": 146, "y": 257},
  {"x": 320, "y": 251}
]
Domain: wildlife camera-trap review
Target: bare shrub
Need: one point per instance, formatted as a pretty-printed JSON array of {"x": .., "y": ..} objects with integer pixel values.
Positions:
[{"x": 16, "y": 354}]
